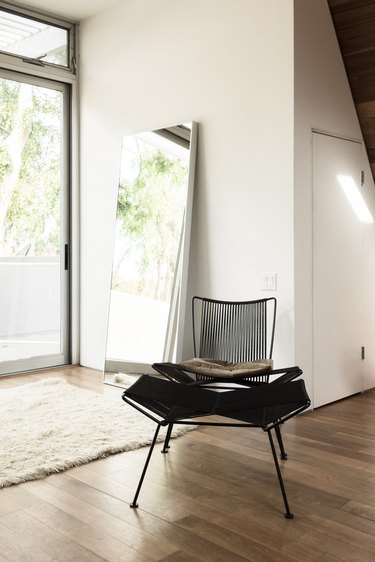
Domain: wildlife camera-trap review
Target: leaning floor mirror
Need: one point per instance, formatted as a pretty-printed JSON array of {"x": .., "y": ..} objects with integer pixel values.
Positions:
[{"x": 151, "y": 251}]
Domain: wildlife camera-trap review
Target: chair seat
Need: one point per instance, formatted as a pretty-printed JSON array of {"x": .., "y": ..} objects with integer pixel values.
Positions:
[{"x": 258, "y": 406}]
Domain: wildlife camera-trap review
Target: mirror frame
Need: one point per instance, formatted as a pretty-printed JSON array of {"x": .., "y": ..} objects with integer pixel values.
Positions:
[{"x": 178, "y": 303}]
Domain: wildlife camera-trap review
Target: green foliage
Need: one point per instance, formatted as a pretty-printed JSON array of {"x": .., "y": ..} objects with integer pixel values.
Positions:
[
  {"x": 32, "y": 217},
  {"x": 8, "y": 103},
  {"x": 5, "y": 163},
  {"x": 150, "y": 211},
  {"x": 9, "y": 91}
]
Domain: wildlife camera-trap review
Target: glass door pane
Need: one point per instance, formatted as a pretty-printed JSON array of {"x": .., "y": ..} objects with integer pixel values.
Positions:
[{"x": 33, "y": 223}]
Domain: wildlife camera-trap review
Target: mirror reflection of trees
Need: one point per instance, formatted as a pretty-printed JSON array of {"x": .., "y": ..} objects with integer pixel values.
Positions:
[{"x": 150, "y": 210}]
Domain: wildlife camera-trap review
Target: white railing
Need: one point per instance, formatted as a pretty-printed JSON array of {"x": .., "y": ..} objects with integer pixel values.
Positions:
[{"x": 29, "y": 295}]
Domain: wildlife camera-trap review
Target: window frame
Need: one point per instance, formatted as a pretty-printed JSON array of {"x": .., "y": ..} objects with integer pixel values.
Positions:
[
  {"x": 27, "y": 364},
  {"x": 68, "y": 76},
  {"x": 36, "y": 66}
]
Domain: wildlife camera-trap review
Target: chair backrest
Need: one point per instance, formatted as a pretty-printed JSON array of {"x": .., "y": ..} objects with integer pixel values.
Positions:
[{"x": 235, "y": 331}]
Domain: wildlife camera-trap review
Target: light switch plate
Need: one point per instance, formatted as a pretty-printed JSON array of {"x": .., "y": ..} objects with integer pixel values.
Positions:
[{"x": 269, "y": 281}]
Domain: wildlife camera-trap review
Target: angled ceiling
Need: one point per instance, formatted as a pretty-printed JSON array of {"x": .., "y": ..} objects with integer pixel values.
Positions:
[{"x": 354, "y": 22}]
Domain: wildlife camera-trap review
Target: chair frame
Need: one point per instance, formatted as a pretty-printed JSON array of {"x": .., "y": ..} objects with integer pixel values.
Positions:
[
  {"x": 255, "y": 342},
  {"x": 245, "y": 332},
  {"x": 162, "y": 421}
]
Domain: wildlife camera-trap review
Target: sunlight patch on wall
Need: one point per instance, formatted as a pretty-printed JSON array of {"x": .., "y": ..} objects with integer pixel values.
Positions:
[{"x": 355, "y": 198}]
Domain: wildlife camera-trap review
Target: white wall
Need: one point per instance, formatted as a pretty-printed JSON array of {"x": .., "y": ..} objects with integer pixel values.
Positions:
[
  {"x": 323, "y": 101},
  {"x": 228, "y": 65}
]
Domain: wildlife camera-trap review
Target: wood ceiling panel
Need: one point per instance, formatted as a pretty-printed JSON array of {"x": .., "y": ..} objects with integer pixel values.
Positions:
[
  {"x": 355, "y": 29},
  {"x": 354, "y": 22},
  {"x": 361, "y": 73},
  {"x": 341, "y": 5},
  {"x": 366, "y": 114}
]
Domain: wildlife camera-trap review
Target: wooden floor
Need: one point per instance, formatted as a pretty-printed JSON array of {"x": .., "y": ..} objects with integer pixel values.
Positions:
[{"x": 214, "y": 497}]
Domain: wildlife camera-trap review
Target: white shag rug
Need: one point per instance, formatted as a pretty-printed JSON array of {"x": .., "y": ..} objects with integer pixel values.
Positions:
[{"x": 50, "y": 426}]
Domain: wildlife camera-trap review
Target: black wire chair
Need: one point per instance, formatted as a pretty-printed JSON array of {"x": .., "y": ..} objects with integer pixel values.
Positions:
[
  {"x": 236, "y": 332},
  {"x": 168, "y": 402}
]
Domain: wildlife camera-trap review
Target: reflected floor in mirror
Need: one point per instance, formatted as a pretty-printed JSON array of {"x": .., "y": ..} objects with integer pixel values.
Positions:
[{"x": 121, "y": 379}]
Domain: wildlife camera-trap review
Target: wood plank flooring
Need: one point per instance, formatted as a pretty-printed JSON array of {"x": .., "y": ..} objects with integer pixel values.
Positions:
[{"x": 213, "y": 498}]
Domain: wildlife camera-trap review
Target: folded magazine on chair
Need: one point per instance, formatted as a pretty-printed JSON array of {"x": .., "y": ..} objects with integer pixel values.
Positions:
[{"x": 225, "y": 369}]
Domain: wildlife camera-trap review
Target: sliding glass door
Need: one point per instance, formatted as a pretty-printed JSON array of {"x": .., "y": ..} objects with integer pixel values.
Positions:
[{"x": 34, "y": 223}]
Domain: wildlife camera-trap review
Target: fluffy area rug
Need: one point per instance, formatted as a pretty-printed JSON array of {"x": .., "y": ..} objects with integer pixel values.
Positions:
[{"x": 50, "y": 426}]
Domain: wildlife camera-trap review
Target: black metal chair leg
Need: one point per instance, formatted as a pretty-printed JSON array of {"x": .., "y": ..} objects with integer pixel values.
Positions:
[
  {"x": 134, "y": 502},
  {"x": 288, "y": 514},
  {"x": 167, "y": 438},
  {"x": 283, "y": 454}
]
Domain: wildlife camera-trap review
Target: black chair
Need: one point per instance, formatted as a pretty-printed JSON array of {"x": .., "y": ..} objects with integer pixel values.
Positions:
[
  {"x": 237, "y": 332},
  {"x": 168, "y": 402}
]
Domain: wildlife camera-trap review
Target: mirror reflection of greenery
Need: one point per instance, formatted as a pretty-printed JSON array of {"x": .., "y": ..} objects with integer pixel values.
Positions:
[
  {"x": 150, "y": 210},
  {"x": 30, "y": 153}
]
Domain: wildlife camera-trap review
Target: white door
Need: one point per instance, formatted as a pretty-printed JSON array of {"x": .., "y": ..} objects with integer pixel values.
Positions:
[{"x": 337, "y": 270}]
